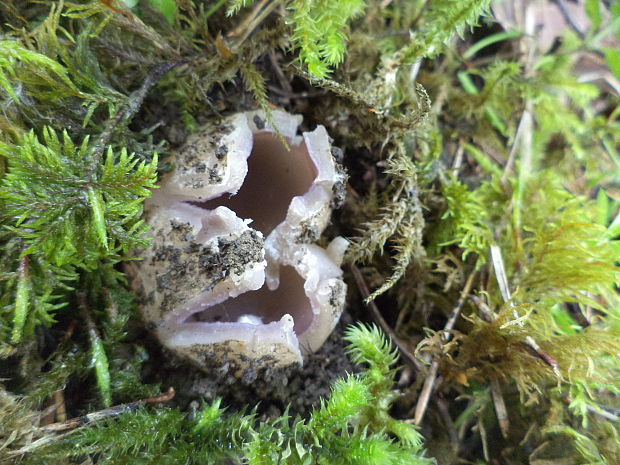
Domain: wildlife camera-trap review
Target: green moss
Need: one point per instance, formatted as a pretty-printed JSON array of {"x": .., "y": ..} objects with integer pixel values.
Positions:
[
  {"x": 451, "y": 151},
  {"x": 352, "y": 426}
]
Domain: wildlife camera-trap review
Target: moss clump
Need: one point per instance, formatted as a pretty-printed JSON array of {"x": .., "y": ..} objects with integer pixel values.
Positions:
[{"x": 352, "y": 426}]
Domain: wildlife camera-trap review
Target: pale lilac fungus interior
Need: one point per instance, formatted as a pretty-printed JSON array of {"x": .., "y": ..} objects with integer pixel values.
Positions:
[{"x": 275, "y": 176}]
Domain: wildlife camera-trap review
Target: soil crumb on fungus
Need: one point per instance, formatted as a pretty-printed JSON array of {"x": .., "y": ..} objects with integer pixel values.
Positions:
[{"x": 233, "y": 274}]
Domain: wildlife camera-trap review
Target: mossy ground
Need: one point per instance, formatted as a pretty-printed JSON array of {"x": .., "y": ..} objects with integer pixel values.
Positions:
[{"x": 482, "y": 205}]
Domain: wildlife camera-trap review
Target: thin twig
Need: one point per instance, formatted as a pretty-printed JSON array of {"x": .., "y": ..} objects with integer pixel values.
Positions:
[
  {"x": 500, "y": 408},
  {"x": 459, "y": 305},
  {"x": 502, "y": 282},
  {"x": 483, "y": 309},
  {"x": 277, "y": 69},
  {"x": 576, "y": 314},
  {"x": 425, "y": 394},
  {"x": 128, "y": 110},
  {"x": 500, "y": 272},
  {"x": 595, "y": 409},
  {"x": 255, "y": 23},
  {"x": 429, "y": 382},
  {"x": 522, "y": 139},
  {"x": 45, "y": 440},
  {"x": 243, "y": 25},
  {"x": 376, "y": 314},
  {"x": 447, "y": 419},
  {"x": 405, "y": 376},
  {"x": 458, "y": 159},
  {"x": 61, "y": 410},
  {"x": 66, "y": 428},
  {"x": 106, "y": 413},
  {"x": 483, "y": 438},
  {"x": 544, "y": 356}
]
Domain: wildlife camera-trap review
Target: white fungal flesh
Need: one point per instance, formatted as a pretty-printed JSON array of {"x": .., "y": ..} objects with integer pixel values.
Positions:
[{"x": 234, "y": 272}]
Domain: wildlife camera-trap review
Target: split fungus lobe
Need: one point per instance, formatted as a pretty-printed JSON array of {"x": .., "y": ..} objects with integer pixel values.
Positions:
[{"x": 233, "y": 274}]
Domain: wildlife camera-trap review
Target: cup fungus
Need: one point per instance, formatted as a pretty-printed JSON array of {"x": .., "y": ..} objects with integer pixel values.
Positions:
[{"x": 233, "y": 274}]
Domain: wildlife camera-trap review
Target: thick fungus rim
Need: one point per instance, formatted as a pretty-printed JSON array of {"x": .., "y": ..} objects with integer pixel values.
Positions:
[{"x": 275, "y": 176}]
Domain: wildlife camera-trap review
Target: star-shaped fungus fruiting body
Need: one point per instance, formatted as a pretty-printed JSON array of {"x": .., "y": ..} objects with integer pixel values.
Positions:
[{"x": 234, "y": 273}]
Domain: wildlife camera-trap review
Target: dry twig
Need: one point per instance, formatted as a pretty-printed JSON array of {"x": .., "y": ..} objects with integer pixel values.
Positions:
[
  {"x": 55, "y": 431},
  {"x": 107, "y": 413},
  {"x": 502, "y": 281},
  {"x": 429, "y": 382},
  {"x": 500, "y": 407}
]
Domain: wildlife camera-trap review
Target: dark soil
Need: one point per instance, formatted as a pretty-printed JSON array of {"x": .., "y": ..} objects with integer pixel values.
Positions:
[{"x": 271, "y": 391}]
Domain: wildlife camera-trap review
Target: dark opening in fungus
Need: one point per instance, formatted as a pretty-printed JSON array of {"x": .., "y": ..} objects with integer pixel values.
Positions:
[
  {"x": 256, "y": 287},
  {"x": 275, "y": 176}
]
